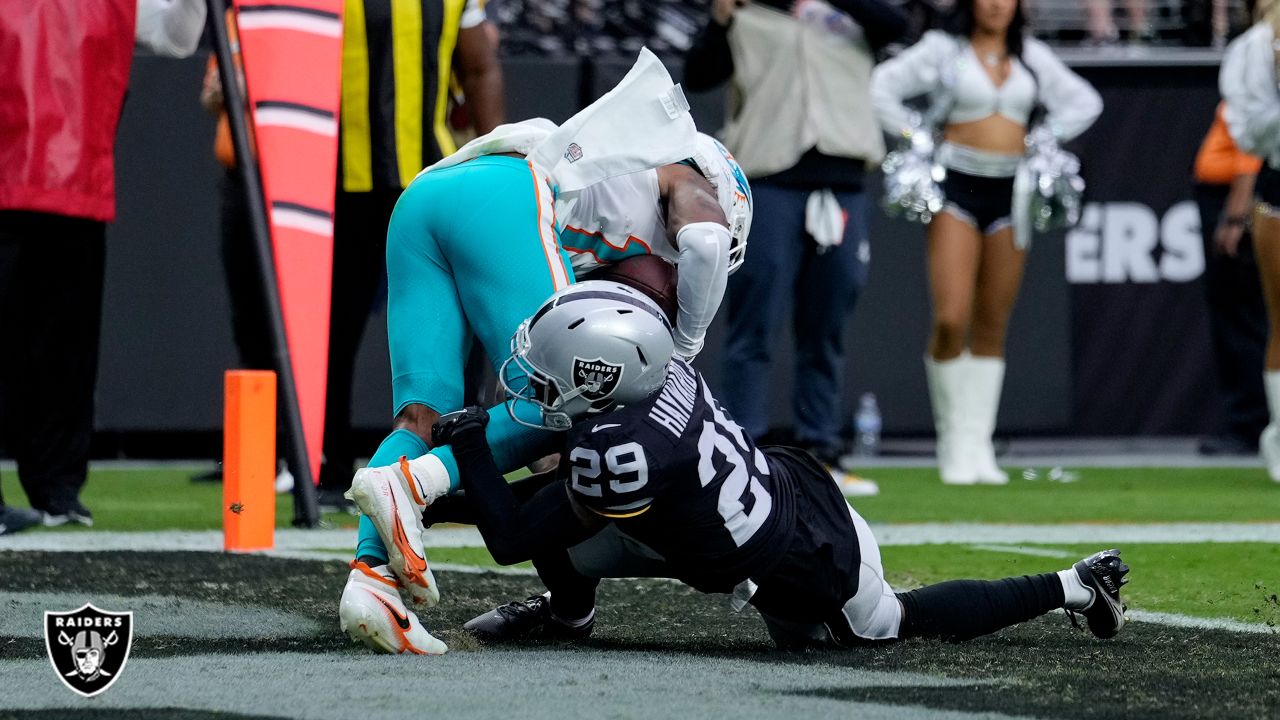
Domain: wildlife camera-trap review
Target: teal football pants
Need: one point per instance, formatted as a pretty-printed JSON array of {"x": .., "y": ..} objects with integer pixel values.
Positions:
[{"x": 471, "y": 253}]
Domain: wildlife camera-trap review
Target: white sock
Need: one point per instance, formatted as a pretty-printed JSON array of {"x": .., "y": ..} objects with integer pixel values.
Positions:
[
  {"x": 1078, "y": 595},
  {"x": 431, "y": 476}
]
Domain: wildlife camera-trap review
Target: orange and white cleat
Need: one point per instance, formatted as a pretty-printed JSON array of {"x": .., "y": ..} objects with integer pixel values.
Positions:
[
  {"x": 371, "y": 612},
  {"x": 393, "y": 497}
]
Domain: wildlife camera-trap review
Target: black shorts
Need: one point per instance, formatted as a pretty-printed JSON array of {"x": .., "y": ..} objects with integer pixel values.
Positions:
[
  {"x": 983, "y": 202},
  {"x": 1267, "y": 188},
  {"x": 819, "y": 571}
]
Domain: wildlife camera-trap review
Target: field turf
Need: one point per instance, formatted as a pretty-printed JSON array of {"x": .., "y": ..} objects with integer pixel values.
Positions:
[
  {"x": 233, "y": 636},
  {"x": 167, "y": 499}
]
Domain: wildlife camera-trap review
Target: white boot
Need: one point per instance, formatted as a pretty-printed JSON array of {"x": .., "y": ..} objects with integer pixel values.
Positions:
[
  {"x": 1269, "y": 443},
  {"x": 985, "y": 379},
  {"x": 946, "y": 392}
]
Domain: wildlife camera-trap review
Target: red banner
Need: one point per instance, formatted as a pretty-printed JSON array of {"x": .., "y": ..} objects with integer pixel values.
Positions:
[{"x": 292, "y": 55}]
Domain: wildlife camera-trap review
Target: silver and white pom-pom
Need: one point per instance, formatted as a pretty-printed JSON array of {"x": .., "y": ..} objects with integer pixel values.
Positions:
[
  {"x": 1057, "y": 188},
  {"x": 912, "y": 180}
]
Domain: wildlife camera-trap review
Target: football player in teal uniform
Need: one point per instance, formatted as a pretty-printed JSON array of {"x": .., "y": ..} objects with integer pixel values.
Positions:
[{"x": 473, "y": 248}]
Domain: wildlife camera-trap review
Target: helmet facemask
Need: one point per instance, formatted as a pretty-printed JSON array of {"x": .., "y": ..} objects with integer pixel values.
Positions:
[{"x": 739, "y": 224}]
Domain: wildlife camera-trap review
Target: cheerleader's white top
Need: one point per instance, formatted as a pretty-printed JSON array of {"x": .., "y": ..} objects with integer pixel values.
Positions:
[{"x": 946, "y": 68}]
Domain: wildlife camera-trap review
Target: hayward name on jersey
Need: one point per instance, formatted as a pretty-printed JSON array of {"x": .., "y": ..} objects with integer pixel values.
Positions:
[
  {"x": 612, "y": 220},
  {"x": 678, "y": 474}
]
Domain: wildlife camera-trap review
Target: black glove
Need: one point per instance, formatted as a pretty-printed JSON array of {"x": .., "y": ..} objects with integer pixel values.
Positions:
[{"x": 457, "y": 424}]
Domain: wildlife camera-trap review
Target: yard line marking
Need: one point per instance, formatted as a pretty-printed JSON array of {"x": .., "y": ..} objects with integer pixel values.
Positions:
[
  {"x": 1073, "y": 533},
  {"x": 1023, "y": 550},
  {"x": 887, "y": 535},
  {"x": 1187, "y": 621},
  {"x": 323, "y": 555}
]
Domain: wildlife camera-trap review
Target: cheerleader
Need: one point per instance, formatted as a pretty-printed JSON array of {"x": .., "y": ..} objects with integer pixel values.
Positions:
[
  {"x": 983, "y": 78},
  {"x": 1248, "y": 84}
]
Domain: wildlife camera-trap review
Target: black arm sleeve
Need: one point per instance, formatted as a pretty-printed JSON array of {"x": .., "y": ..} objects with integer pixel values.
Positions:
[
  {"x": 883, "y": 22},
  {"x": 709, "y": 61},
  {"x": 513, "y": 532}
]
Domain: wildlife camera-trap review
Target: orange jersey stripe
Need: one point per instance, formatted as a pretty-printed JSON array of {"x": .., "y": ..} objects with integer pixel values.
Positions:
[
  {"x": 605, "y": 240},
  {"x": 547, "y": 233}
]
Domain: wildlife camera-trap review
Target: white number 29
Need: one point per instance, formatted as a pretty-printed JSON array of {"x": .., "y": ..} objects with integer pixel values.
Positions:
[{"x": 620, "y": 461}]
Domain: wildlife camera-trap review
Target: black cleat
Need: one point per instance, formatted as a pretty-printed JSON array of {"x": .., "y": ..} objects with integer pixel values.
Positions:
[
  {"x": 14, "y": 519},
  {"x": 1104, "y": 573},
  {"x": 527, "y": 619}
]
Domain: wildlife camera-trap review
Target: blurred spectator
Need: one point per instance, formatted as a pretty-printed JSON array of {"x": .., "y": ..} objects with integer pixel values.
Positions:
[
  {"x": 67, "y": 67},
  {"x": 1102, "y": 23},
  {"x": 393, "y": 123},
  {"x": 1248, "y": 84},
  {"x": 1237, "y": 317},
  {"x": 802, "y": 128},
  {"x": 983, "y": 79},
  {"x": 595, "y": 27}
]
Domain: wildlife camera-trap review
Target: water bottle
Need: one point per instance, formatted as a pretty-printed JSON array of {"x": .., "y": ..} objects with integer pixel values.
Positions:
[{"x": 866, "y": 425}]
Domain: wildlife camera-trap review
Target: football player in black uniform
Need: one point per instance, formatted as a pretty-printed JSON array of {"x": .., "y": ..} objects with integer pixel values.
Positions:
[{"x": 657, "y": 479}]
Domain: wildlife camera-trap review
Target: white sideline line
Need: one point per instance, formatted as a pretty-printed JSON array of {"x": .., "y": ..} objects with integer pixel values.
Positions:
[
  {"x": 975, "y": 534},
  {"x": 1187, "y": 621},
  {"x": 1074, "y": 533},
  {"x": 286, "y": 539},
  {"x": 1023, "y": 550},
  {"x": 345, "y": 558}
]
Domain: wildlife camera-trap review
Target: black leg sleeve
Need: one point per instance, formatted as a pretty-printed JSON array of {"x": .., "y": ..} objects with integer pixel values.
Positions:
[
  {"x": 966, "y": 609},
  {"x": 573, "y": 595}
]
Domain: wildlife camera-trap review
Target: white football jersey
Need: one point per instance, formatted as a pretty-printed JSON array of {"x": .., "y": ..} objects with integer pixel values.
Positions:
[{"x": 614, "y": 219}]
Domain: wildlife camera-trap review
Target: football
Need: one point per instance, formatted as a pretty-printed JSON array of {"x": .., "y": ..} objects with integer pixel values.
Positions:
[{"x": 649, "y": 274}]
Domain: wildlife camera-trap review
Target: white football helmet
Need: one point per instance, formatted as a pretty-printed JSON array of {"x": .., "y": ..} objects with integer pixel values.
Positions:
[
  {"x": 733, "y": 192},
  {"x": 592, "y": 347}
]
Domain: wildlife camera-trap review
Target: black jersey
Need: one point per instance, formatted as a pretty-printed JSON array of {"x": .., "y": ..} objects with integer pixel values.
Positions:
[{"x": 678, "y": 474}]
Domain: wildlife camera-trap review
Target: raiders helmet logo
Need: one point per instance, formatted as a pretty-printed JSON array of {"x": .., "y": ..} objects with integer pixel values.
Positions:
[
  {"x": 88, "y": 647},
  {"x": 597, "y": 378}
]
